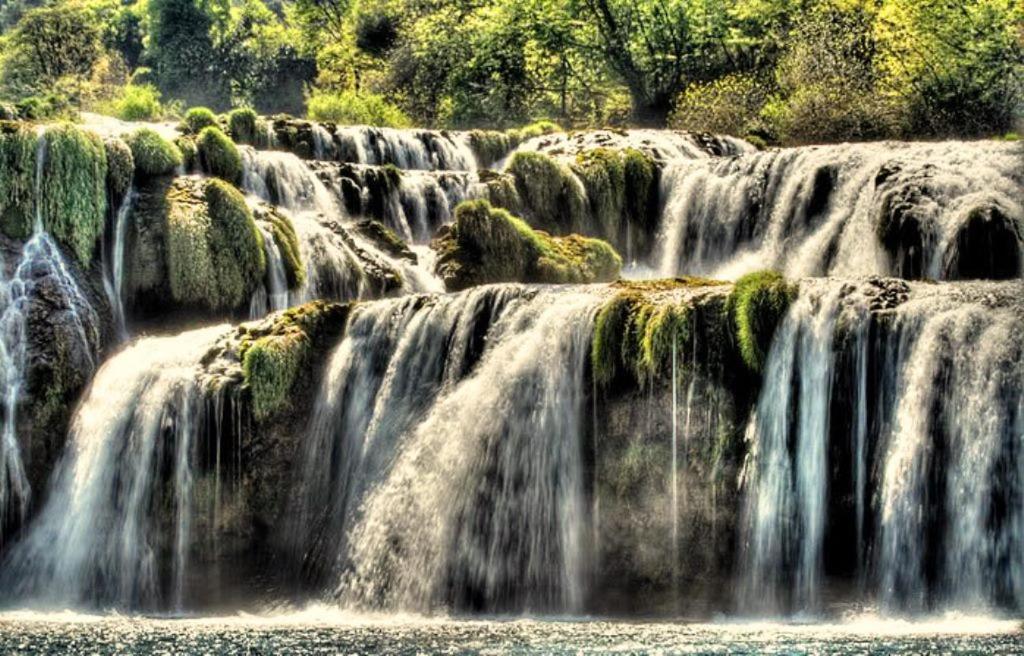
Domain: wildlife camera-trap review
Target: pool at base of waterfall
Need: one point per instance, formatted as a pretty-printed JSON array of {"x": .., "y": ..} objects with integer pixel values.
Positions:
[{"x": 323, "y": 631}]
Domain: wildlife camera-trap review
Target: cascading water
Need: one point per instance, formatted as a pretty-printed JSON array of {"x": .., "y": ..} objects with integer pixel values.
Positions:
[
  {"x": 424, "y": 400},
  {"x": 113, "y": 268},
  {"x": 99, "y": 538},
  {"x": 406, "y": 149},
  {"x": 850, "y": 210}
]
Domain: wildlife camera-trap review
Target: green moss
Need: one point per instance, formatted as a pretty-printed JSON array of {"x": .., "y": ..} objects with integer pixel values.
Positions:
[
  {"x": 641, "y": 190},
  {"x": 603, "y": 174},
  {"x": 17, "y": 178},
  {"x": 385, "y": 239},
  {"x": 235, "y": 242},
  {"x": 488, "y": 245},
  {"x": 74, "y": 188},
  {"x": 120, "y": 168},
  {"x": 535, "y": 129},
  {"x": 634, "y": 334},
  {"x": 490, "y": 146},
  {"x": 274, "y": 361},
  {"x": 189, "y": 152},
  {"x": 154, "y": 156},
  {"x": 196, "y": 119},
  {"x": 757, "y": 303},
  {"x": 242, "y": 125},
  {"x": 190, "y": 266},
  {"x": 215, "y": 257},
  {"x": 549, "y": 193},
  {"x": 218, "y": 155}
]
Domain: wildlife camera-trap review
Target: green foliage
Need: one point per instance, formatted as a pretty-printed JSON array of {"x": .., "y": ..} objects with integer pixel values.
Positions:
[
  {"x": 73, "y": 192},
  {"x": 550, "y": 195},
  {"x": 49, "y": 44},
  {"x": 182, "y": 54},
  {"x": 196, "y": 119},
  {"x": 218, "y": 155},
  {"x": 756, "y": 305},
  {"x": 242, "y": 125},
  {"x": 352, "y": 108},
  {"x": 134, "y": 103},
  {"x": 153, "y": 155},
  {"x": 120, "y": 167},
  {"x": 731, "y": 104},
  {"x": 17, "y": 179},
  {"x": 215, "y": 256},
  {"x": 487, "y": 245}
]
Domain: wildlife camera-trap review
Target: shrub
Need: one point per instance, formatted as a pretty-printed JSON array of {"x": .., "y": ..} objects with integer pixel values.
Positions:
[
  {"x": 74, "y": 188},
  {"x": 355, "y": 108},
  {"x": 218, "y": 155},
  {"x": 729, "y": 105},
  {"x": 153, "y": 155},
  {"x": 196, "y": 119},
  {"x": 135, "y": 103},
  {"x": 755, "y": 306},
  {"x": 242, "y": 125}
]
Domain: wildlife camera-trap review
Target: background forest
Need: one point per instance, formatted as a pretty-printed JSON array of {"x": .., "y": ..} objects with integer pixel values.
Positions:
[{"x": 776, "y": 71}]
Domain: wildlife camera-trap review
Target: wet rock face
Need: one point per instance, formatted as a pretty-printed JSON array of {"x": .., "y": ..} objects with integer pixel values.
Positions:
[
  {"x": 907, "y": 211},
  {"x": 64, "y": 342},
  {"x": 988, "y": 246}
]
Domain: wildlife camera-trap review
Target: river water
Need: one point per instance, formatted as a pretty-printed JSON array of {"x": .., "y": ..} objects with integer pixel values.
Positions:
[{"x": 324, "y": 631}]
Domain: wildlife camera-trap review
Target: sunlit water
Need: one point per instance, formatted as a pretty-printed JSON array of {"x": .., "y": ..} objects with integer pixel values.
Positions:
[{"x": 329, "y": 632}]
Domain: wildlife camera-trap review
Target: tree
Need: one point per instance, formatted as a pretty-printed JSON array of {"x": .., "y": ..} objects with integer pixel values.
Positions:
[{"x": 182, "y": 53}]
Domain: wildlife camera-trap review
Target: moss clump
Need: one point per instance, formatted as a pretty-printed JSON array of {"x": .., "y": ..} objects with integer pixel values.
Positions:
[
  {"x": 242, "y": 125},
  {"x": 549, "y": 194},
  {"x": 189, "y": 152},
  {"x": 73, "y": 193},
  {"x": 490, "y": 146},
  {"x": 215, "y": 257},
  {"x": 154, "y": 156},
  {"x": 385, "y": 239},
  {"x": 488, "y": 245},
  {"x": 120, "y": 168},
  {"x": 236, "y": 243},
  {"x": 196, "y": 119},
  {"x": 218, "y": 155},
  {"x": 274, "y": 359},
  {"x": 620, "y": 191},
  {"x": 756, "y": 305},
  {"x": 17, "y": 178},
  {"x": 287, "y": 244},
  {"x": 634, "y": 335},
  {"x": 535, "y": 129}
]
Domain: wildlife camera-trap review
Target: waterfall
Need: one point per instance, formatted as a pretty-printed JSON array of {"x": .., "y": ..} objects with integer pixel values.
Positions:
[
  {"x": 284, "y": 179},
  {"x": 272, "y": 295},
  {"x": 113, "y": 265},
  {"x": 424, "y": 400},
  {"x": 663, "y": 145},
  {"x": 406, "y": 149},
  {"x": 97, "y": 541},
  {"x": 950, "y": 509},
  {"x": 830, "y": 209}
]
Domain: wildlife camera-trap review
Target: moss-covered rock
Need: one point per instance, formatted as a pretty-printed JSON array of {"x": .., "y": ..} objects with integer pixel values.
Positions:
[
  {"x": 757, "y": 303},
  {"x": 490, "y": 146},
  {"x": 154, "y": 156},
  {"x": 243, "y": 126},
  {"x": 287, "y": 243},
  {"x": 196, "y": 119},
  {"x": 533, "y": 130},
  {"x": 18, "y": 143},
  {"x": 550, "y": 196},
  {"x": 218, "y": 155},
  {"x": 487, "y": 245},
  {"x": 120, "y": 168},
  {"x": 73, "y": 191},
  {"x": 275, "y": 356},
  {"x": 214, "y": 251},
  {"x": 385, "y": 239},
  {"x": 189, "y": 152}
]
